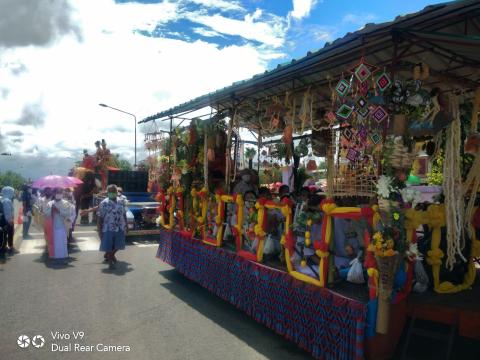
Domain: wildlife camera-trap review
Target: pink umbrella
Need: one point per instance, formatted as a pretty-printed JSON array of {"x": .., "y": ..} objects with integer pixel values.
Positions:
[
  {"x": 77, "y": 181},
  {"x": 56, "y": 181}
]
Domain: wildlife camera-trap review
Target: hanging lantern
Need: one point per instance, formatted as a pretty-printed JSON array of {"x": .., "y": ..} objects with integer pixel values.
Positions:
[
  {"x": 211, "y": 155},
  {"x": 288, "y": 134},
  {"x": 311, "y": 165}
]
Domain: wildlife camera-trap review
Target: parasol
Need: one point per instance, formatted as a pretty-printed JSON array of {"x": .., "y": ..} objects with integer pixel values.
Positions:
[{"x": 56, "y": 181}]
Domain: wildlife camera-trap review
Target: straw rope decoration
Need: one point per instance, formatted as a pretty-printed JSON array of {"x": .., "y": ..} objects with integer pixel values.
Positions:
[
  {"x": 472, "y": 183},
  {"x": 306, "y": 109},
  {"x": 473, "y": 178},
  {"x": 452, "y": 185},
  {"x": 475, "y": 111}
]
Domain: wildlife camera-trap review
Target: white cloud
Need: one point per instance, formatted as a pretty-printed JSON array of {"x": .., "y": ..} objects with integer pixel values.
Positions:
[
  {"x": 358, "y": 19},
  {"x": 205, "y": 32},
  {"x": 302, "y": 8},
  {"x": 113, "y": 64},
  {"x": 220, "y": 4},
  {"x": 270, "y": 31}
]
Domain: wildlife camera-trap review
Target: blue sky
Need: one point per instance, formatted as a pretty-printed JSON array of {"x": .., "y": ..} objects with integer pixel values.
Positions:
[{"x": 326, "y": 21}]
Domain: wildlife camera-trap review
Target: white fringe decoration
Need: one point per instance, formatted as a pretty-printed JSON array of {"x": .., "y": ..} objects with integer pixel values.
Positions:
[{"x": 452, "y": 188}]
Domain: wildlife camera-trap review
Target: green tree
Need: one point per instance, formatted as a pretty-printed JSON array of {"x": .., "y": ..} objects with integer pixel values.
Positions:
[
  {"x": 11, "y": 178},
  {"x": 124, "y": 164}
]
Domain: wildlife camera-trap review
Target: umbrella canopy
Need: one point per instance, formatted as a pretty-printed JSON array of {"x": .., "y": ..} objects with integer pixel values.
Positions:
[
  {"x": 77, "y": 181},
  {"x": 56, "y": 181}
]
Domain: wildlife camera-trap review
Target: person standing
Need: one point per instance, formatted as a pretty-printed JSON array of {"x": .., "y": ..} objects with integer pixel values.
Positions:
[
  {"x": 111, "y": 225},
  {"x": 68, "y": 196},
  {"x": 27, "y": 203},
  {"x": 8, "y": 194},
  {"x": 59, "y": 211}
]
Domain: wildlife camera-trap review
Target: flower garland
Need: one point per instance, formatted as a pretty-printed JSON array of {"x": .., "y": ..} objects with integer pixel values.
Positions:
[
  {"x": 170, "y": 207},
  {"x": 217, "y": 241}
]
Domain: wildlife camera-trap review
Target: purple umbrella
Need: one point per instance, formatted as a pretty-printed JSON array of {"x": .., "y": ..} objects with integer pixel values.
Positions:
[{"x": 56, "y": 181}]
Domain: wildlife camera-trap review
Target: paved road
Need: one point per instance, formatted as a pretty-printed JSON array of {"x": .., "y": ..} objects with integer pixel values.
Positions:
[{"x": 143, "y": 303}]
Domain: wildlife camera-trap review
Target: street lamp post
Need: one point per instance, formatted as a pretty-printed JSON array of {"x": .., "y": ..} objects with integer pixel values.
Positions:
[{"x": 135, "y": 118}]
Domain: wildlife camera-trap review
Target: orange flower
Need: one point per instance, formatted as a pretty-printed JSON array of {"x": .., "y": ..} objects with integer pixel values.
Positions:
[
  {"x": 390, "y": 244},
  {"x": 389, "y": 252}
]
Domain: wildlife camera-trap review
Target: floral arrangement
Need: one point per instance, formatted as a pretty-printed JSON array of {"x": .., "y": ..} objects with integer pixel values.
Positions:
[
  {"x": 385, "y": 186},
  {"x": 382, "y": 246},
  {"x": 409, "y": 99},
  {"x": 413, "y": 253},
  {"x": 410, "y": 196}
]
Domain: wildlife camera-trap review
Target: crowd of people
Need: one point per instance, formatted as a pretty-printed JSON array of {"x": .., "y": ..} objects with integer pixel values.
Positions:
[{"x": 55, "y": 211}]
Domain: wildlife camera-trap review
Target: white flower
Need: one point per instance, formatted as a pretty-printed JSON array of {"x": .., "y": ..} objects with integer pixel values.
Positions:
[
  {"x": 384, "y": 186},
  {"x": 413, "y": 253},
  {"x": 410, "y": 195}
]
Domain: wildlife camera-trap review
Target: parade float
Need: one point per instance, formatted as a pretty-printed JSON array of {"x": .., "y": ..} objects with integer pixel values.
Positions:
[{"x": 392, "y": 110}]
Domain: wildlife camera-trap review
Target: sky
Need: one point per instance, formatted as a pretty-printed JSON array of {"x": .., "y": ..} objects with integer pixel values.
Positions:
[{"x": 60, "y": 58}]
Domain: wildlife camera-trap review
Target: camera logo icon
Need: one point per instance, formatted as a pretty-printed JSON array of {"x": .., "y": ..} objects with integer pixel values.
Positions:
[
  {"x": 38, "y": 341},
  {"x": 23, "y": 341}
]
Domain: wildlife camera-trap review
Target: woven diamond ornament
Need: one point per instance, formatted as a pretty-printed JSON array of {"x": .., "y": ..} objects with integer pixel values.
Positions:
[
  {"x": 344, "y": 111},
  {"x": 342, "y": 87},
  {"x": 383, "y": 82},
  {"x": 376, "y": 138},
  {"x": 363, "y": 112},
  {"x": 362, "y": 133},
  {"x": 352, "y": 154},
  {"x": 362, "y": 72},
  {"x": 379, "y": 114},
  {"x": 361, "y": 102},
  {"x": 347, "y": 134}
]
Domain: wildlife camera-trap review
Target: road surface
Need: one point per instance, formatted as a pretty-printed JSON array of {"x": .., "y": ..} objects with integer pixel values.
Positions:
[{"x": 144, "y": 307}]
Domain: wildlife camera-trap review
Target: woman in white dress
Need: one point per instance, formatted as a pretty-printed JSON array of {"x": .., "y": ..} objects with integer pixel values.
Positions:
[{"x": 60, "y": 210}]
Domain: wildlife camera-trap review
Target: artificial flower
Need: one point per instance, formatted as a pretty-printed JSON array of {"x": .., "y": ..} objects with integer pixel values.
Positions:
[
  {"x": 390, "y": 244},
  {"x": 389, "y": 252},
  {"x": 413, "y": 253},
  {"x": 384, "y": 186},
  {"x": 410, "y": 195}
]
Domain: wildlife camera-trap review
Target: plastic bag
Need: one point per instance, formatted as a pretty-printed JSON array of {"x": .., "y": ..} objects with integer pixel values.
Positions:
[
  {"x": 228, "y": 232},
  {"x": 269, "y": 246},
  {"x": 355, "y": 274},
  {"x": 254, "y": 245},
  {"x": 421, "y": 278}
]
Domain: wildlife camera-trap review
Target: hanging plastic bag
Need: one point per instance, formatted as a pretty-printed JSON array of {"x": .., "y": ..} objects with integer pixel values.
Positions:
[
  {"x": 421, "y": 278},
  {"x": 254, "y": 245},
  {"x": 355, "y": 274},
  {"x": 269, "y": 246},
  {"x": 227, "y": 233}
]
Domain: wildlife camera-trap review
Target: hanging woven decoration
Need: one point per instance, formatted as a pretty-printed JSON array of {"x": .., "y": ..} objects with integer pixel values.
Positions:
[
  {"x": 383, "y": 82},
  {"x": 342, "y": 87}
]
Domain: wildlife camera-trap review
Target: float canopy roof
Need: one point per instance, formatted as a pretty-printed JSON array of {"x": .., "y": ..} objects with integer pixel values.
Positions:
[{"x": 445, "y": 36}]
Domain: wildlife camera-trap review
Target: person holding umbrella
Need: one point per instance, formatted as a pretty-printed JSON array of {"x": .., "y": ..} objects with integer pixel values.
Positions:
[{"x": 58, "y": 212}]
